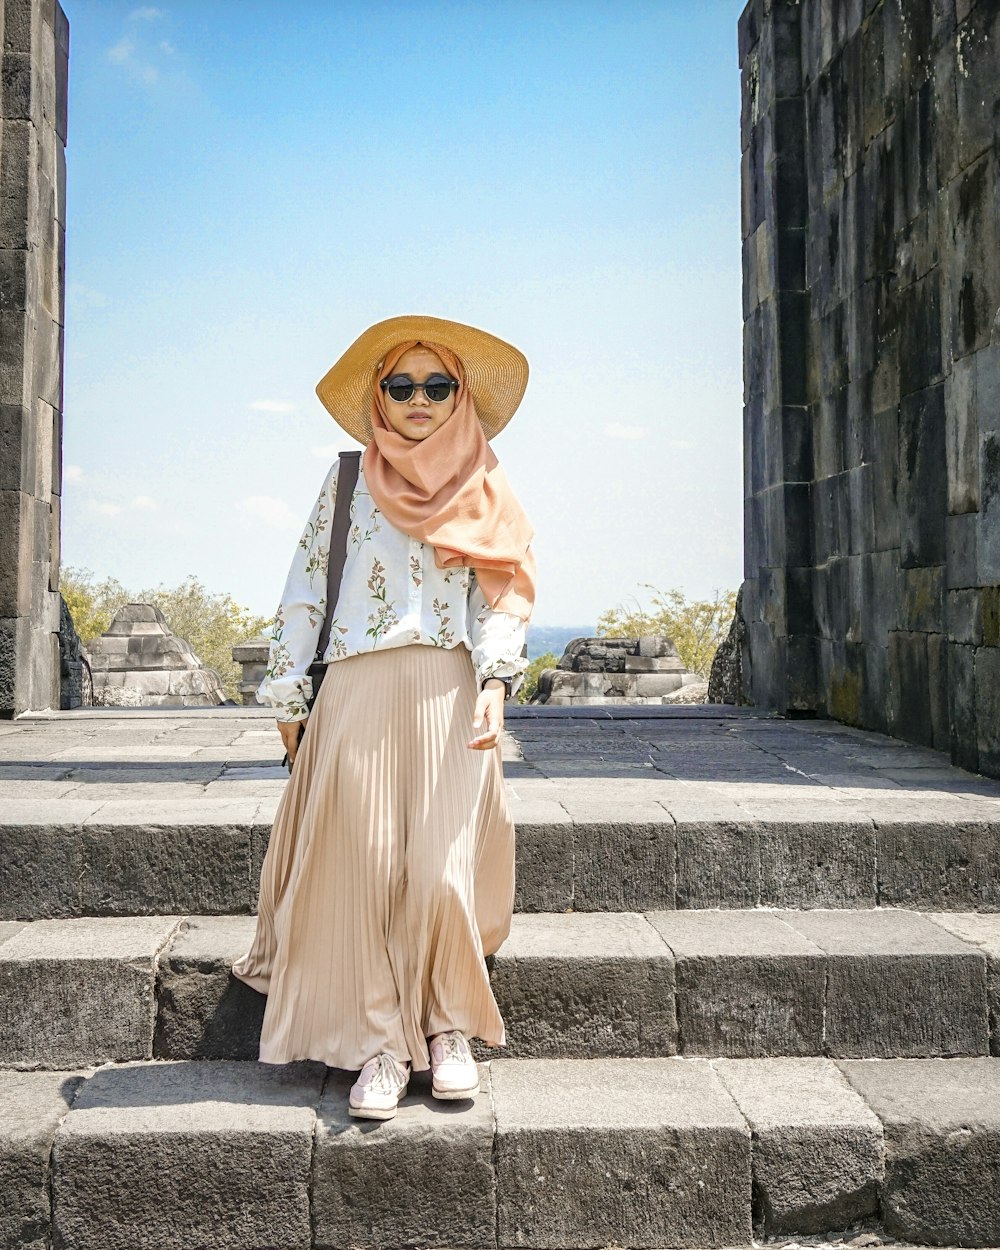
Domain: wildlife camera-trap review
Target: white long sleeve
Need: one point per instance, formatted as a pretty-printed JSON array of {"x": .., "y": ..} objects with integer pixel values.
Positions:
[
  {"x": 298, "y": 620},
  {"x": 497, "y": 640},
  {"x": 392, "y": 594}
]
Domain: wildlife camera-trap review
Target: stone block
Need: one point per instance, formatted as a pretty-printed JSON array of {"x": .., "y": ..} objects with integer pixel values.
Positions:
[
  {"x": 941, "y": 1122},
  {"x": 196, "y": 859},
  {"x": 988, "y": 532},
  {"x": 923, "y": 479},
  {"x": 747, "y": 984},
  {"x": 624, "y": 857},
  {"x": 885, "y": 481},
  {"x": 188, "y": 1154},
  {"x": 202, "y": 1010},
  {"x": 657, "y": 647},
  {"x": 988, "y": 708},
  {"x": 961, "y": 539},
  {"x": 544, "y": 856},
  {"x": 653, "y": 664},
  {"x": 585, "y": 986},
  {"x": 648, "y": 685},
  {"x": 19, "y": 217},
  {"x": 818, "y": 1150},
  {"x": 964, "y": 736},
  {"x": 424, "y": 1179},
  {"x": 909, "y": 676},
  {"x": 111, "y": 989},
  {"x": 32, "y": 1105},
  {"x": 979, "y": 61},
  {"x": 922, "y": 607},
  {"x": 982, "y": 931},
  {"x": 718, "y": 863},
  {"x": 642, "y": 1152},
  {"x": 814, "y": 862},
  {"x": 16, "y": 543},
  {"x": 896, "y": 986},
  {"x": 971, "y": 263},
  {"x": 41, "y": 868},
  {"x": 962, "y": 436},
  {"x": 928, "y": 864},
  {"x": 964, "y": 610}
]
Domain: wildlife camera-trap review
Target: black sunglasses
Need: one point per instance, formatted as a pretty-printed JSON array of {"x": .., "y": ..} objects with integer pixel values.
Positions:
[{"x": 437, "y": 388}]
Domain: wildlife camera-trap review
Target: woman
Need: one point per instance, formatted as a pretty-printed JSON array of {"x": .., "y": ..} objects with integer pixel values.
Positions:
[{"x": 389, "y": 875}]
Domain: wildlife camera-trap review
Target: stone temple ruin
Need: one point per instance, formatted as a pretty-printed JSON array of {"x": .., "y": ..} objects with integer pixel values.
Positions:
[
  {"x": 750, "y": 989},
  {"x": 617, "y": 670},
  {"x": 139, "y": 662},
  {"x": 870, "y": 180}
]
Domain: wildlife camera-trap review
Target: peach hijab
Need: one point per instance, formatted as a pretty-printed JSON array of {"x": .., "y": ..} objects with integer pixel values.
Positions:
[{"x": 450, "y": 490}]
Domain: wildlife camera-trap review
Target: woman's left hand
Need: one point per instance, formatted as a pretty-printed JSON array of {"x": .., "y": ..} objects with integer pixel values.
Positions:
[{"x": 488, "y": 705}]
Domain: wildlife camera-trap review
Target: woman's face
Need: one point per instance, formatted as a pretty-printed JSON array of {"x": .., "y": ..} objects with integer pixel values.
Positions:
[{"x": 418, "y": 417}]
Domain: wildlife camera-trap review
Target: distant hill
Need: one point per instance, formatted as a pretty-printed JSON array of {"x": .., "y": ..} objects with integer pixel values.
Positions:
[{"x": 542, "y": 638}]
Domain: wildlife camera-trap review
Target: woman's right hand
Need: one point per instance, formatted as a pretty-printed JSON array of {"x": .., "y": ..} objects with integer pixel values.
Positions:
[{"x": 290, "y": 730}]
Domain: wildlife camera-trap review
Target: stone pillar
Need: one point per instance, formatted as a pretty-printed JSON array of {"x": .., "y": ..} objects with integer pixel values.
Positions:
[
  {"x": 34, "y": 36},
  {"x": 779, "y": 659}
]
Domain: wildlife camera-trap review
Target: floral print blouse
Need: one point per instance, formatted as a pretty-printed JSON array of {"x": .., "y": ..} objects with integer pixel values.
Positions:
[{"x": 392, "y": 594}]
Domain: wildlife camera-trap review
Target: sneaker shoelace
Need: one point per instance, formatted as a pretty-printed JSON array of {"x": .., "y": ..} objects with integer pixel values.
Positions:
[
  {"x": 454, "y": 1047},
  {"x": 387, "y": 1076}
]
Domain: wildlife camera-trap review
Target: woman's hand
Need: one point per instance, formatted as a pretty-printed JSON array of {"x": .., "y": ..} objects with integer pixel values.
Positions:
[
  {"x": 290, "y": 730},
  {"x": 489, "y": 705}
]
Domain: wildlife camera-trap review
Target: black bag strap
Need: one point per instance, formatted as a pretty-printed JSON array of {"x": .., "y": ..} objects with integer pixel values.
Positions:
[{"x": 347, "y": 479}]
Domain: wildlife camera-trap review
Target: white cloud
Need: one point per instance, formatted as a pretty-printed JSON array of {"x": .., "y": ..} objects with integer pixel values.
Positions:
[
  {"x": 273, "y": 512},
  {"x": 629, "y": 432},
  {"x": 72, "y": 473},
  {"x": 166, "y": 47},
  {"x": 682, "y": 444},
  {"x": 272, "y": 405},
  {"x": 144, "y": 503},
  {"x": 145, "y": 14},
  {"x": 330, "y": 451},
  {"x": 106, "y": 509},
  {"x": 121, "y": 51}
]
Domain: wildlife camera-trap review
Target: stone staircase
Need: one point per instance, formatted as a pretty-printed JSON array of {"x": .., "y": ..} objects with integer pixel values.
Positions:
[{"x": 752, "y": 993}]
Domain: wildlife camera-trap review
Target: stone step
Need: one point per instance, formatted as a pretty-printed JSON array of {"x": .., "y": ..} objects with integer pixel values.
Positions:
[
  {"x": 866, "y": 983},
  {"x": 551, "y": 1154},
  {"x": 589, "y": 851}
]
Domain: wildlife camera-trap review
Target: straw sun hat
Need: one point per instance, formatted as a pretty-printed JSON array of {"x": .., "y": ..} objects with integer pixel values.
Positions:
[{"x": 497, "y": 372}]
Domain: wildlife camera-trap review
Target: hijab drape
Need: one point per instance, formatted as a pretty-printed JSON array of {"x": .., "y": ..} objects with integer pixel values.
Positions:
[{"x": 449, "y": 490}]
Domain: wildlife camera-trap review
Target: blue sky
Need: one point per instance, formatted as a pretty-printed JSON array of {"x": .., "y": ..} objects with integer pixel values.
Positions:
[{"x": 251, "y": 184}]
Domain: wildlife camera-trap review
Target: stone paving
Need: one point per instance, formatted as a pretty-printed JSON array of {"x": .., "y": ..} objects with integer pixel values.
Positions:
[{"x": 703, "y": 759}]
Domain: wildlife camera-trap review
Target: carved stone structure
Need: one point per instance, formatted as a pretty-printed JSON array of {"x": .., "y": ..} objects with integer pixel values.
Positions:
[
  {"x": 34, "y": 36},
  {"x": 252, "y": 656},
  {"x": 871, "y": 282},
  {"x": 615, "y": 670},
  {"x": 138, "y": 662},
  {"x": 75, "y": 685},
  {"x": 725, "y": 683}
]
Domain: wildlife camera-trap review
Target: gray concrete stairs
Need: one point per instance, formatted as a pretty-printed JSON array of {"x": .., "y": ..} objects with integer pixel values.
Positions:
[{"x": 752, "y": 992}]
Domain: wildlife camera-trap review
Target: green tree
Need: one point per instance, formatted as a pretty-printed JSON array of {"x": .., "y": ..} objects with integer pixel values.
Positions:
[
  {"x": 212, "y": 623},
  {"x": 526, "y": 690},
  {"x": 696, "y": 626}
]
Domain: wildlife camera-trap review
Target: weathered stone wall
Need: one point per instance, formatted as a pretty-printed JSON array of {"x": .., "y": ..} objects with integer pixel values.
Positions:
[
  {"x": 871, "y": 281},
  {"x": 34, "y": 37}
]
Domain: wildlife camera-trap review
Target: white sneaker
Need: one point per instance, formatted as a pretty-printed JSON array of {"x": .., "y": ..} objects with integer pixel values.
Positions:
[
  {"x": 379, "y": 1087},
  {"x": 453, "y": 1069}
]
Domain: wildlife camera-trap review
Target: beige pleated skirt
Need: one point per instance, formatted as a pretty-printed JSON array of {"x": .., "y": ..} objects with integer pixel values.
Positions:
[{"x": 389, "y": 874}]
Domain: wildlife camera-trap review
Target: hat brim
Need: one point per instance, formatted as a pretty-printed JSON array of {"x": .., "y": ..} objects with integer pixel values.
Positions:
[{"x": 496, "y": 372}]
